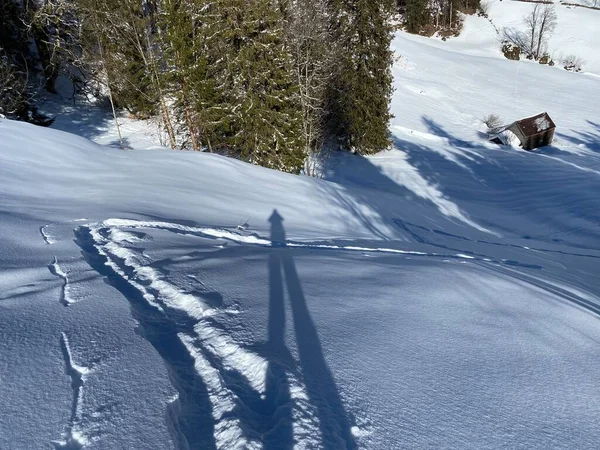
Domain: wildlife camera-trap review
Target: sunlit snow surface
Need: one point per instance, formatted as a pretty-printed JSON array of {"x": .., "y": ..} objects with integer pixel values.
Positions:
[{"x": 443, "y": 294}]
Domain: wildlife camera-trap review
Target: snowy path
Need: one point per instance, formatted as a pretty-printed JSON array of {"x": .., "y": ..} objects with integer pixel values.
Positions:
[{"x": 251, "y": 396}]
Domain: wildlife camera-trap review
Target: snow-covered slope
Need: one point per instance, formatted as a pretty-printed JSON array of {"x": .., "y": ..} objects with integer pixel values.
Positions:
[
  {"x": 443, "y": 294},
  {"x": 576, "y": 33}
]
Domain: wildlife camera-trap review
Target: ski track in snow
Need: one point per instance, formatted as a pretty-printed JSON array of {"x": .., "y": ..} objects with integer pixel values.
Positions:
[
  {"x": 73, "y": 439},
  {"x": 565, "y": 293},
  {"x": 213, "y": 353},
  {"x": 57, "y": 271},
  {"x": 253, "y": 239},
  {"x": 47, "y": 237}
]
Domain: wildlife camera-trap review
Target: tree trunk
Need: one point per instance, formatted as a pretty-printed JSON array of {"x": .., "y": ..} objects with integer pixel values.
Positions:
[
  {"x": 167, "y": 120},
  {"x": 193, "y": 138},
  {"x": 188, "y": 116},
  {"x": 540, "y": 38},
  {"x": 150, "y": 63},
  {"x": 110, "y": 97}
]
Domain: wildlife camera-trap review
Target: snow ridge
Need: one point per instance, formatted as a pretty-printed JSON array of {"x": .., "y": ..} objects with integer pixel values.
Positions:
[
  {"x": 253, "y": 239},
  {"x": 45, "y": 236},
  {"x": 57, "y": 271},
  {"x": 74, "y": 439}
]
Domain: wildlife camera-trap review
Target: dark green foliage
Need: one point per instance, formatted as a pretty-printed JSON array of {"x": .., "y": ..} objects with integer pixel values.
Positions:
[
  {"x": 230, "y": 72},
  {"x": 416, "y": 15},
  {"x": 362, "y": 88},
  {"x": 131, "y": 82},
  {"x": 117, "y": 47},
  {"x": 13, "y": 32},
  {"x": 429, "y": 16},
  {"x": 192, "y": 37},
  {"x": 17, "y": 65},
  {"x": 13, "y": 88},
  {"x": 260, "y": 93},
  {"x": 267, "y": 81}
]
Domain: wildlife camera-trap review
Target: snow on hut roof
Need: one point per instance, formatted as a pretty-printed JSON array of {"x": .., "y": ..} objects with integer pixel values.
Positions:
[{"x": 535, "y": 124}]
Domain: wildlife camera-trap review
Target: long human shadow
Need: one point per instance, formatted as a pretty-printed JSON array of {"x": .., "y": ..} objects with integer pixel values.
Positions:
[
  {"x": 320, "y": 385},
  {"x": 278, "y": 401}
]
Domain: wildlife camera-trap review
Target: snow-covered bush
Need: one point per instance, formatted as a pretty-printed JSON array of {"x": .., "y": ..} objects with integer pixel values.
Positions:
[
  {"x": 513, "y": 42},
  {"x": 511, "y": 50},
  {"x": 572, "y": 63},
  {"x": 493, "y": 122},
  {"x": 546, "y": 59},
  {"x": 509, "y": 138},
  {"x": 484, "y": 8}
]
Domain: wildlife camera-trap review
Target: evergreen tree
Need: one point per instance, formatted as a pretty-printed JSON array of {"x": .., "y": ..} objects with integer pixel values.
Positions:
[
  {"x": 192, "y": 33},
  {"x": 17, "y": 65},
  {"x": 13, "y": 59},
  {"x": 260, "y": 94},
  {"x": 417, "y": 14},
  {"x": 119, "y": 51},
  {"x": 362, "y": 88}
]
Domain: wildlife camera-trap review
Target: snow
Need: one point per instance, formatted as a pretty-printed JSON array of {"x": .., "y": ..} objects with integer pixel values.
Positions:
[
  {"x": 442, "y": 294},
  {"x": 541, "y": 123},
  {"x": 509, "y": 138},
  {"x": 577, "y": 32}
]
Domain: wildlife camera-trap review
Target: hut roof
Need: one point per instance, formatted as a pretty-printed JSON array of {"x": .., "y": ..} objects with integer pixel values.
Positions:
[{"x": 535, "y": 124}]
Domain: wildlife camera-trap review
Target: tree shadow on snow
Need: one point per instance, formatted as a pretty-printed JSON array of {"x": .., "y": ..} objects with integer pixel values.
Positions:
[
  {"x": 501, "y": 185},
  {"x": 455, "y": 186},
  {"x": 590, "y": 140},
  {"x": 376, "y": 201},
  {"x": 83, "y": 119}
]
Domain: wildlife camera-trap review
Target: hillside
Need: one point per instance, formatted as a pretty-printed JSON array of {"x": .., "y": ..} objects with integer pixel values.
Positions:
[{"x": 442, "y": 294}]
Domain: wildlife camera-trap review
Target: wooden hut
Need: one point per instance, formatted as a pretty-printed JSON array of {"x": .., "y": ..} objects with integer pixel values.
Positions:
[{"x": 533, "y": 132}]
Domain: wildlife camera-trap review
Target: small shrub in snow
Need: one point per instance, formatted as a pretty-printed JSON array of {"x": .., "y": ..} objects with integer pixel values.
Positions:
[
  {"x": 572, "y": 63},
  {"x": 484, "y": 9},
  {"x": 511, "y": 50},
  {"x": 493, "y": 122},
  {"x": 546, "y": 59}
]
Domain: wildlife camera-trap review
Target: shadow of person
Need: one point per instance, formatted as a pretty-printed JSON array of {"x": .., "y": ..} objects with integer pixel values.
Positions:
[
  {"x": 277, "y": 401},
  {"x": 320, "y": 384},
  {"x": 277, "y": 231}
]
